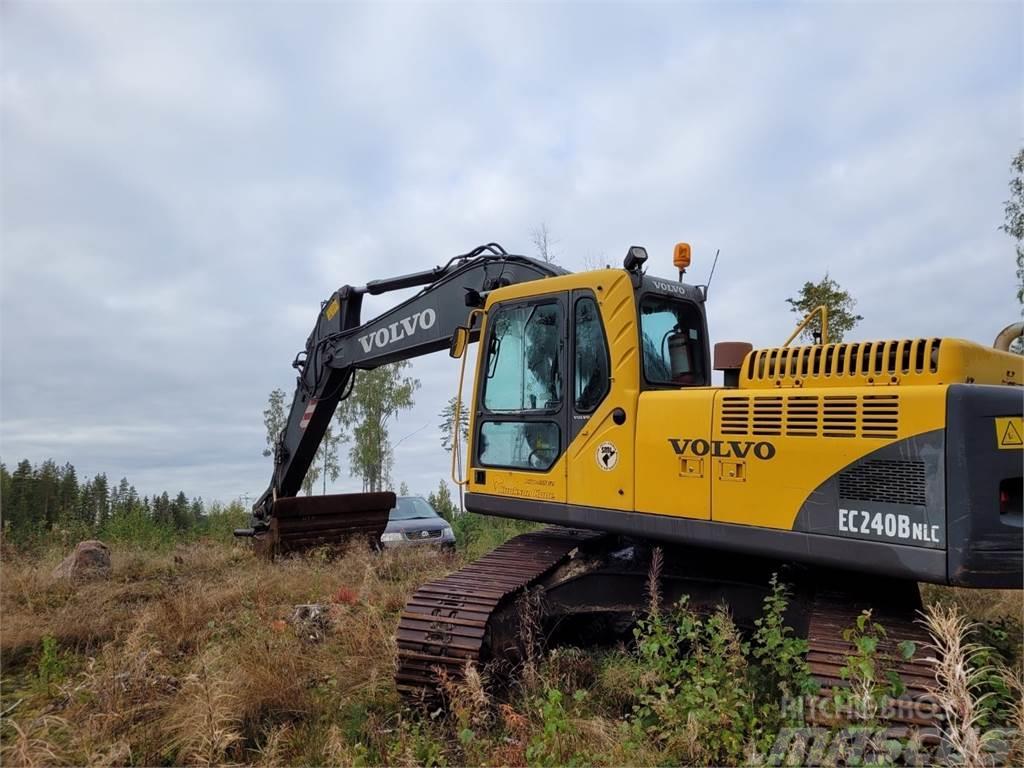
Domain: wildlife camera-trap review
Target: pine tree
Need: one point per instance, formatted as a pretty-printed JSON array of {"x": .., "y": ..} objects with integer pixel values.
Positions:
[
  {"x": 45, "y": 503},
  {"x": 18, "y": 509},
  {"x": 121, "y": 502},
  {"x": 1013, "y": 210},
  {"x": 163, "y": 514},
  {"x": 180, "y": 511},
  {"x": 447, "y": 425},
  {"x": 68, "y": 493},
  {"x": 86, "y": 511},
  {"x": 101, "y": 500},
  {"x": 441, "y": 501},
  {"x": 5, "y": 485}
]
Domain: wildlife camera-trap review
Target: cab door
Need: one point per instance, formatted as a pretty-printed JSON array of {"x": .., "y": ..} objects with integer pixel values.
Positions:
[
  {"x": 521, "y": 418},
  {"x": 601, "y": 404}
]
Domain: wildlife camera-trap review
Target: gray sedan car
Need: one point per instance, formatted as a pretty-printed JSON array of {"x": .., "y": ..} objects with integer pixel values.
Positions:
[{"x": 414, "y": 521}]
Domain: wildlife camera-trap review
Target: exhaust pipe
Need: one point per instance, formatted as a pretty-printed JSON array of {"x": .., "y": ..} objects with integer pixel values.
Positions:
[{"x": 1007, "y": 335}]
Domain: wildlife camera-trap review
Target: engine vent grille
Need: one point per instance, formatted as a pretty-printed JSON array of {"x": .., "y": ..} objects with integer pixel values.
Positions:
[
  {"x": 872, "y": 359},
  {"x": 866, "y": 416},
  {"x": 884, "y": 481}
]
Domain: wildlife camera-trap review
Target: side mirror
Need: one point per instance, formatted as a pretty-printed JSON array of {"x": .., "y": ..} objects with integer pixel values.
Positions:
[{"x": 460, "y": 340}]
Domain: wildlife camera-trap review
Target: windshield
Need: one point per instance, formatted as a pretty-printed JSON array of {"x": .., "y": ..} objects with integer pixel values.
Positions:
[
  {"x": 523, "y": 359},
  {"x": 411, "y": 508}
]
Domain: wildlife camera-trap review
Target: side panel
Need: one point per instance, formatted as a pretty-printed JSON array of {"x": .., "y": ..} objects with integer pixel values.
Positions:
[
  {"x": 896, "y": 493},
  {"x": 540, "y": 486},
  {"x": 601, "y": 456},
  {"x": 858, "y": 557},
  {"x": 775, "y": 452},
  {"x": 671, "y": 478},
  {"x": 985, "y": 462}
]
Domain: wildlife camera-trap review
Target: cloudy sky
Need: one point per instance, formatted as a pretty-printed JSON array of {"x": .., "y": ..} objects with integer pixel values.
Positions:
[{"x": 182, "y": 183}]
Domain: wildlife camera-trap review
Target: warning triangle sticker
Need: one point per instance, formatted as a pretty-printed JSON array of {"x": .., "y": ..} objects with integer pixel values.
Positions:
[{"x": 1011, "y": 437}]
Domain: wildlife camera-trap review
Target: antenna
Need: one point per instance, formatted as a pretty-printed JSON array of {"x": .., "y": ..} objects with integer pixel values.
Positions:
[{"x": 707, "y": 285}]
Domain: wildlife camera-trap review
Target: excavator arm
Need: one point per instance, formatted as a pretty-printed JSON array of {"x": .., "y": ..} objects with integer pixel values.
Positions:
[{"x": 340, "y": 344}]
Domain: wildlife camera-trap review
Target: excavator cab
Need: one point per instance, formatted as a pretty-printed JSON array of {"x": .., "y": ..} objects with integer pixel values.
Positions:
[{"x": 563, "y": 365}]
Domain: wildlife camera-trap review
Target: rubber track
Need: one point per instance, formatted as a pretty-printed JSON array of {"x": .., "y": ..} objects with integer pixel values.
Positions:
[
  {"x": 444, "y": 625},
  {"x": 827, "y": 654}
]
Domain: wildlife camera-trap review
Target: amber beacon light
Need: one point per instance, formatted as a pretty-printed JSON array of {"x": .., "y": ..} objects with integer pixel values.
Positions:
[{"x": 681, "y": 256}]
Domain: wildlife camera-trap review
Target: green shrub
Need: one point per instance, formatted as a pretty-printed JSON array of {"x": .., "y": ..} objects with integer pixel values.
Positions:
[
  {"x": 705, "y": 695},
  {"x": 476, "y": 535},
  {"x": 779, "y": 653},
  {"x": 553, "y": 744},
  {"x": 139, "y": 529},
  {"x": 220, "y": 521},
  {"x": 998, "y": 648},
  {"x": 52, "y": 665},
  {"x": 695, "y": 699}
]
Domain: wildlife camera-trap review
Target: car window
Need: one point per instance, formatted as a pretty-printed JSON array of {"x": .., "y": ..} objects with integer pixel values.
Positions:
[{"x": 411, "y": 508}]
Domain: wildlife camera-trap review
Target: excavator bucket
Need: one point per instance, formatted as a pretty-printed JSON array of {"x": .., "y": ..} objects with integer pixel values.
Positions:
[{"x": 301, "y": 522}]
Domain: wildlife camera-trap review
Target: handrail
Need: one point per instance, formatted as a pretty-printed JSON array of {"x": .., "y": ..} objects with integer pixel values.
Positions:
[
  {"x": 456, "y": 432},
  {"x": 824, "y": 325}
]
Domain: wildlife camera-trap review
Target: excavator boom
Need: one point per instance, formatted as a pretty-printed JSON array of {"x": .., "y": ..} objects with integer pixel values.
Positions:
[{"x": 341, "y": 344}]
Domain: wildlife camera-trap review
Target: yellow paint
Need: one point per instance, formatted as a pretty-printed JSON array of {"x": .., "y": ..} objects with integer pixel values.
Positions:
[
  {"x": 667, "y": 483},
  {"x": 895, "y": 362},
  {"x": 589, "y": 484},
  {"x": 332, "y": 308},
  {"x": 1010, "y": 433},
  {"x": 750, "y": 455},
  {"x": 774, "y": 490}
]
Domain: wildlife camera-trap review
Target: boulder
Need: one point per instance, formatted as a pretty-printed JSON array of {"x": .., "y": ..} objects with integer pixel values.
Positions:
[{"x": 90, "y": 560}]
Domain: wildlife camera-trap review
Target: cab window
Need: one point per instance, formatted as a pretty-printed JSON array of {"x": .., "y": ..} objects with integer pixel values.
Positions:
[
  {"x": 523, "y": 359},
  {"x": 519, "y": 444},
  {"x": 590, "y": 371},
  {"x": 672, "y": 342}
]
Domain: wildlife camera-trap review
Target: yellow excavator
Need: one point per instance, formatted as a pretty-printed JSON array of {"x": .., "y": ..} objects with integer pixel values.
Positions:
[{"x": 857, "y": 469}]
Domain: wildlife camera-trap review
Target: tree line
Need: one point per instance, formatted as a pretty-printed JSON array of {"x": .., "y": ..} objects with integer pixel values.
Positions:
[{"x": 47, "y": 502}]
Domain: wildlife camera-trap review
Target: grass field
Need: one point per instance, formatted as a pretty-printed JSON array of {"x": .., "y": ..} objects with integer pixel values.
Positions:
[{"x": 187, "y": 656}]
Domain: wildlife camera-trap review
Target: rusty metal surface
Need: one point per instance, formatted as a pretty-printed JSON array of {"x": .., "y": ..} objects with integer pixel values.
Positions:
[
  {"x": 831, "y": 614},
  {"x": 729, "y": 355},
  {"x": 445, "y": 623},
  {"x": 302, "y": 522}
]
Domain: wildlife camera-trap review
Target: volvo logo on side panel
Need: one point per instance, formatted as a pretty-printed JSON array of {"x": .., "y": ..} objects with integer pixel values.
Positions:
[{"x": 723, "y": 449}]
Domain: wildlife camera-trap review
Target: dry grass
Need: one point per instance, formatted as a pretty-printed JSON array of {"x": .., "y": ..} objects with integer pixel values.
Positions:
[
  {"x": 979, "y": 604},
  {"x": 189, "y": 657},
  {"x": 957, "y": 676}
]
